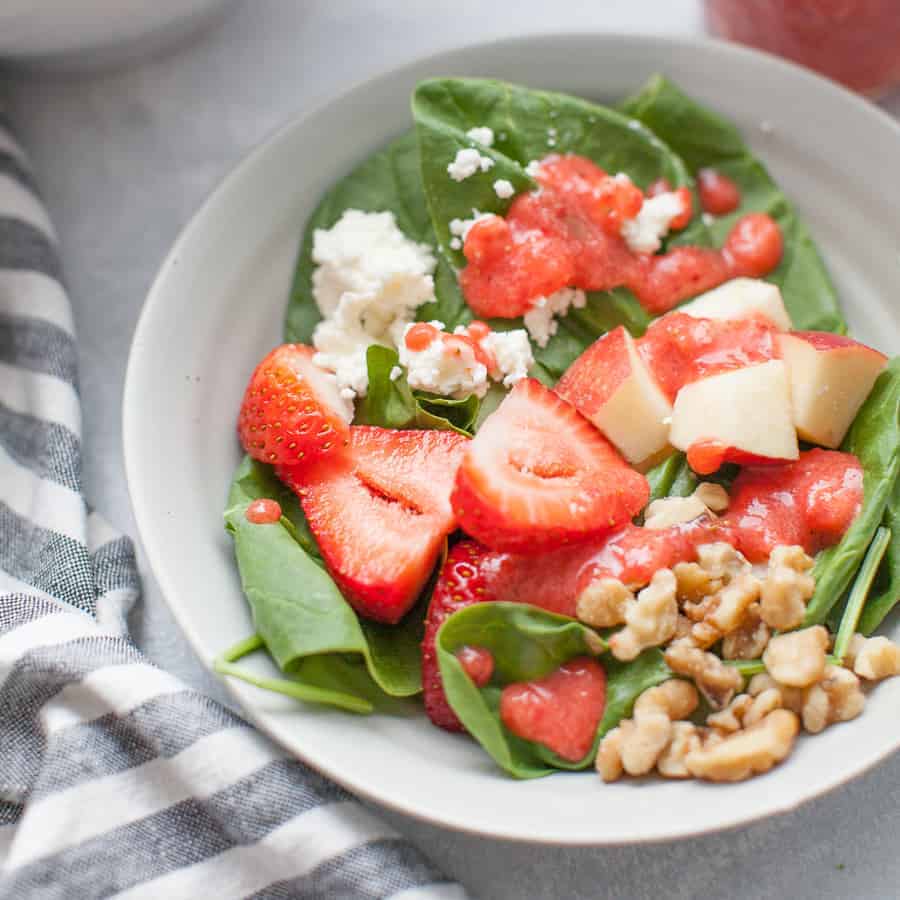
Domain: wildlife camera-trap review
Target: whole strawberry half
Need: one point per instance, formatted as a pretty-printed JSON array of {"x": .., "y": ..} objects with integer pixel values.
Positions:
[
  {"x": 292, "y": 412},
  {"x": 380, "y": 513},
  {"x": 461, "y": 583},
  {"x": 538, "y": 475}
]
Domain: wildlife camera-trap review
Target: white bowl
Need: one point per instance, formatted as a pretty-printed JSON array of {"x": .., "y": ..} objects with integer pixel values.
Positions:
[
  {"x": 91, "y": 33},
  {"x": 217, "y": 306}
]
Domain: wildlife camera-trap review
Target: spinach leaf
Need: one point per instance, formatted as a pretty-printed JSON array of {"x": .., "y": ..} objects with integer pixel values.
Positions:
[
  {"x": 526, "y": 643},
  {"x": 703, "y": 138},
  {"x": 528, "y": 125},
  {"x": 885, "y": 592},
  {"x": 875, "y": 438},
  {"x": 298, "y": 610},
  {"x": 389, "y": 180},
  {"x": 671, "y": 478},
  {"x": 391, "y": 404}
]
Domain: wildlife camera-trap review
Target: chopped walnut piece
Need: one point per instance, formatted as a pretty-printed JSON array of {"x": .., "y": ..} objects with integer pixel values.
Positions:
[
  {"x": 673, "y": 511},
  {"x": 835, "y": 698},
  {"x": 650, "y": 620},
  {"x": 875, "y": 658},
  {"x": 716, "y": 681},
  {"x": 791, "y": 697},
  {"x": 731, "y": 718},
  {"x": 734, "y": 600},
  {"x": 686, "y": 737},
  {"x": 797, "y": 659},
  {"x": 694, "y": 582},
  {"x": 787, "y": 588},
  {"x": 750, "y": 751},
  {"x": 713, "y": 496},
  {"x": 603, "y": 602},
  {"x": 637, "y": 743},
  {"x": 749, "y": 639},
  {"x": 722, "y": 561},
  {"x": 704, "y": 635},
  {"x": 609, "y": 755}
]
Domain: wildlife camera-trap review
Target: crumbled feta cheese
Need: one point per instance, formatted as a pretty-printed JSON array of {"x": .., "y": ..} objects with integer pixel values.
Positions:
[
  {"x": 395, "y": 373},
  {"x": 512, "y": 352},
  {"x": 503, "y": 188},
  {"x": 455, "y": 243},
  {"x": 450, "y": 370},
  {"x": 483, "y": 135},
  {"x": 551, "y": 132},
  {"x": 369, "y": 280},
  {"x": 468, "y": 161},
  {"x": 540, "y": 320},
  {"x": 645, "y": 231},
  {"x": 634, "y": 124},
  {"x": 532, "y": 168},
  {"x": 708, "y": 219}
]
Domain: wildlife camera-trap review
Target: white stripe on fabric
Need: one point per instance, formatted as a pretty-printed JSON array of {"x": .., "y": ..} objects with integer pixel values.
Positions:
[
  {"x": 113, "y": 607},
  {"x": 39, "y": 395},
  {"x": 10, "y": 146},
  {"x": 9, "y": 584},
  {"x": 99, "y": 532},
  {"x": 18, "y": 202},
  {"x": 431, "y": 892},
  {"x": 45, "y": 503},
  {"x": 87, "y": 810},
  {"x": 112, "y": 689},
  {"x": 7, "y": 833},
  {"x": 289, "y": 851},
  {"x": 56, "y": 628},
  {"x": 38, "y": 296}
]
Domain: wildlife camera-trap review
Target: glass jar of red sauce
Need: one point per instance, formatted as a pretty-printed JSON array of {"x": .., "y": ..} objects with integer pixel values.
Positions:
[{"x": 856, "y": 42}]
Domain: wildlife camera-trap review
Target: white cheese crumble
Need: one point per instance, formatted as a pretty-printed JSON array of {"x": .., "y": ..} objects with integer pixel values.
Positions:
[
  {"x": 468, "y": 161},
  {"x": 532, "y": 168},
  {"x": 503, "y": 189},
  {"x": 483, "y": 135},
  {"x": 369, "y": 280},
  {"x": 708, "y": 219},
  {"x": 451, "y": 371},
  {"x": 512, "y": 352},
  {"x": 395, "y": 373},
  {"x": 645, "y": 231},
  {"x": 455, "y": 243},
  {"x": 540, "y": 320}
]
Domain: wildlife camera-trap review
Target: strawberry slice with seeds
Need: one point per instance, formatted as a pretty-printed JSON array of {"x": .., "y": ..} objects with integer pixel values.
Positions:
[
  {"x": 461, "y": 583},
  {"x": 380, "y": 513},
  {"x": 292, "y": 412},
  {"x": 538, "y": 475}
]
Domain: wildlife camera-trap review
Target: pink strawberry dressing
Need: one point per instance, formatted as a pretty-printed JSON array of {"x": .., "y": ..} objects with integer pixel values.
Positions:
[
  {"x": 561, "y": 710},
  {"x": 263, "y": 512},
  {"x": 477, "y": 663}
]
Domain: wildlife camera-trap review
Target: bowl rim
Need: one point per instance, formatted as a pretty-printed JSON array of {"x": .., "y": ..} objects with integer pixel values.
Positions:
[{"x": 130, "y": 417}]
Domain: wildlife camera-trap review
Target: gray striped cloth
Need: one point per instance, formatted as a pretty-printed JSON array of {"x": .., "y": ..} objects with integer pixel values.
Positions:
[{"x": 115, "y": 777}]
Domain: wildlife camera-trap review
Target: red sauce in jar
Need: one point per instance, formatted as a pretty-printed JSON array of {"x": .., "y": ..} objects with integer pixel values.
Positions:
[
  {"x": 562, "y": 711},
  {"x": 567, "y": 235},
  {"x": 856, "y": 42},
  {"x": 263, "y": 512},
  {"x": 477, "y": 663}
]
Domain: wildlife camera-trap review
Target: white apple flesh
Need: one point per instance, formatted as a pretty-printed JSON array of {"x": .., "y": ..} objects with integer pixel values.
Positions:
[
  {"x": 830, "y": 378},
  {"x": 741, "y": 298},
  {"x": 746, "y": 412}
]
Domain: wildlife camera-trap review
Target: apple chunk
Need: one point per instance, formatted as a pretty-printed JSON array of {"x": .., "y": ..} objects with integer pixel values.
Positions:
[
  {"x": 830, "y": 375},
  {"x": 741, "y": 416},
  {"x": 611, "y": 386},
  {"x": 741, "y": 298}
]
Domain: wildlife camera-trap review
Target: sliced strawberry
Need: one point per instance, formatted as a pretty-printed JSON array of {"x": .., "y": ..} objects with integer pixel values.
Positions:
[
  {"x": 380, "y": 513},
  {"x": 538, "y": 475},
  {"x": 292, "y": 412},
  {"x": 460, "y": 583}
]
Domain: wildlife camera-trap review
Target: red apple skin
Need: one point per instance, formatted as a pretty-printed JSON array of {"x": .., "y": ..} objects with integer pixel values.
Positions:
[
  {"x": 826, "y": 340},
  {"x": 707, "y": 457}
]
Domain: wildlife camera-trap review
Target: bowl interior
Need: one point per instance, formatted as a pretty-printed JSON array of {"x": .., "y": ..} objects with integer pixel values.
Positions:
[{"x": 218, "y": 304}]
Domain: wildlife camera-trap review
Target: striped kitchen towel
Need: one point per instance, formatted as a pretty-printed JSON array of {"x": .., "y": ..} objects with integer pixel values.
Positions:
[{"x": 115, "y": 777}]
